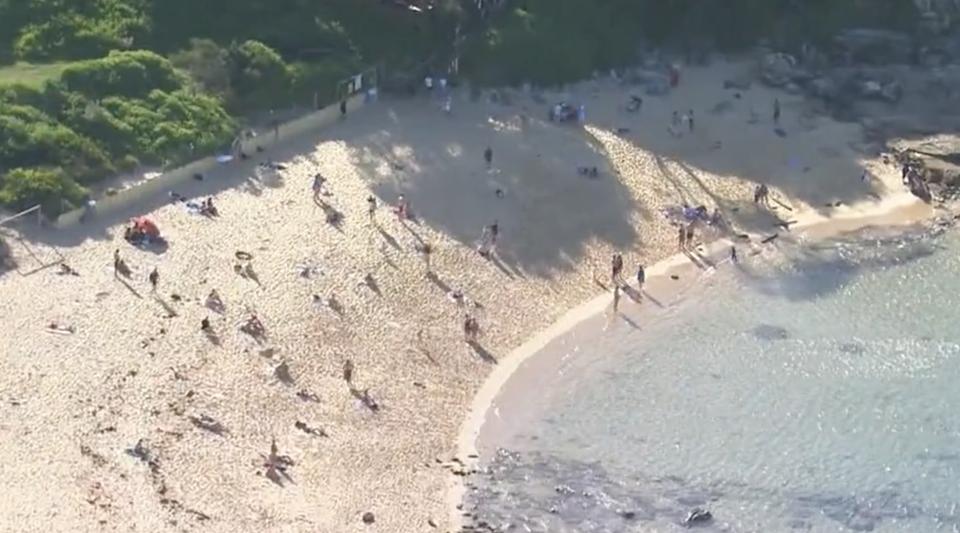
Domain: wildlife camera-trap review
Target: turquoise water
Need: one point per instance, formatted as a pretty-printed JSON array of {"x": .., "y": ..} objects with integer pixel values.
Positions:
[{"x": 821, "y": 396}]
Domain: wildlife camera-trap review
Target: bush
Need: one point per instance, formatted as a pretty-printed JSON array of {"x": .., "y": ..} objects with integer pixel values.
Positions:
[
  {"x": 50, "y": 187},
  {"x": 102, "y": 116}
]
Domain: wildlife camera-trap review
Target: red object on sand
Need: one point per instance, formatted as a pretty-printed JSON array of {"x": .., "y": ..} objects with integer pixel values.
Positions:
[{"x": 146, "y": 226}]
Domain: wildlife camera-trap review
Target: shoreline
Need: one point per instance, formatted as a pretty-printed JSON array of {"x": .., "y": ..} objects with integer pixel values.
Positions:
[{"x": 896, "y": 210}]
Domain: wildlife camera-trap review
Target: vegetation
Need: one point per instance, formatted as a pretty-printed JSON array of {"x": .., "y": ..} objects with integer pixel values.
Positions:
[{"x": 99, "y": 87}]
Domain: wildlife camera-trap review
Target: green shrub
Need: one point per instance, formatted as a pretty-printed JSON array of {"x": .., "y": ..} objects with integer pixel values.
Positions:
[{"x": 50, "y": 187}]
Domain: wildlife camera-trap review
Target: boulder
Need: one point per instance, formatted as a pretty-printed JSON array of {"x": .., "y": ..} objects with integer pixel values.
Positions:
[{"x": 776, "y": 69}]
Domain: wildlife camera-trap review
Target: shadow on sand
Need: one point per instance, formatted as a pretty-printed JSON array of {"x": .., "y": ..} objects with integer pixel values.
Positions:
[{"x": 528, "y": 190}]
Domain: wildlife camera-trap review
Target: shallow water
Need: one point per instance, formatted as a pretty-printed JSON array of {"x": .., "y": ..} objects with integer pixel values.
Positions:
[{"x": 816, "y": 396}]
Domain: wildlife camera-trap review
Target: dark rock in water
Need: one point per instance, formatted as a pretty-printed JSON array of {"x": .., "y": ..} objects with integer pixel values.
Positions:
[
  {"x": 768, "y": 332},
  {"x": 697, "y": 516}
]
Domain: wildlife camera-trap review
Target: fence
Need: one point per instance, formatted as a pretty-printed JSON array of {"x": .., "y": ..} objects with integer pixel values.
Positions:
[
  {"x": 17, "y": 253},
  {"x": 169, "y": 179}
]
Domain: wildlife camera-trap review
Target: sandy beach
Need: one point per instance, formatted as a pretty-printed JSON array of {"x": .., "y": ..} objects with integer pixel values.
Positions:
[{"x": 128, "y": 365}]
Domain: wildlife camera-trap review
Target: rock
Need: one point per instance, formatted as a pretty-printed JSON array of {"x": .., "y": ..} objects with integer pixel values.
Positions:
[
  {"x": 776, "y": 69},
  {"x": 628, "y": 515},
  {"x": 892, "y": 92},
  {"x": 698, "y": 516},
  {"x": 368, "y": 518},
  {"x": 431, "y": 522},
  {"x": 870, "y": 89}
]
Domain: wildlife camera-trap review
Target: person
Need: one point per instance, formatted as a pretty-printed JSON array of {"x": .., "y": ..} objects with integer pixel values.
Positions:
[
  {"x": 761, "y": 194},
  {"x": 616, "y": 269},
  {"x": 690, "y": 120},
  {"x": 154, "y": 278},
  {"x": 428, "y": 83},
  {"x": 641, "y": 277},
  {"x": 776, "y": 112},
  {"x": 207, "y": 208},
  {"x": 494, "y": 231},
  {"x": 447, "y": 104},
  {"x": 424, "y": 249},
  {"x": 403, "y": 208},
  {"x": 681, "y": 238},
  {"x": 343, "y": 109},
  {"x": 488, "y": 156},
  {"x": 733, "y": 254},
  {"x": 348, "y": 371},
  {"x": 674, "y": 76},
  {"x": 616, "y": 299},
  {"x": 117, "y": 262},
  {"x": 371, "y": 207},
  {"x": 317, "y": 186}
]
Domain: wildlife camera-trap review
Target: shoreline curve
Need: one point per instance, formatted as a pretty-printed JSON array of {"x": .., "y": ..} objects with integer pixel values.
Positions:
[{"x": 894, "y": 210}]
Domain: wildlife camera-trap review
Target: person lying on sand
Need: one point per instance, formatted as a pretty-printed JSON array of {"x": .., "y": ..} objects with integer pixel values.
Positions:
[
  {"x": 253, "y": 326},
  {"x": 214, "y": 301}
]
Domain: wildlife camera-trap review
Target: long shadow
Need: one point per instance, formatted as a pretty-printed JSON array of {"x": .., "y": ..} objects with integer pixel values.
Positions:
[
  {"x": 236, "y": 174},
  {"x": 817, "y": 162},
  {"x": 547, "y": 212}
]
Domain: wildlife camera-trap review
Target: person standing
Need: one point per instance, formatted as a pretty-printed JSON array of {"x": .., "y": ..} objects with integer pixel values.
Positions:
[
  {"x": 776, "y": 112},
  {"x": 371, "y": 207},
  {"x": 616, "y": 269},
  {"x": 317, "y": 186},
  {"x": 154, "y": 279},
  {"x": 488, "y": 156},
  {"x": 641, "y": 277}
]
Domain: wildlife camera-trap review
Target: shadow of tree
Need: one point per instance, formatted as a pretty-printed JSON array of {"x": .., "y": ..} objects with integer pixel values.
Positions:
[{"x": 546, "y": 211}]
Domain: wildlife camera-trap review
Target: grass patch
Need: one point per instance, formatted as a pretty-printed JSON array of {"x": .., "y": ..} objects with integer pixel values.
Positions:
[{"x": 30, "y": 74}]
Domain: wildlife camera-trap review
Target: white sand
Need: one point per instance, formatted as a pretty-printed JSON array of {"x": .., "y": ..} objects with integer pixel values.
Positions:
[{"x": 72, "y": 403}]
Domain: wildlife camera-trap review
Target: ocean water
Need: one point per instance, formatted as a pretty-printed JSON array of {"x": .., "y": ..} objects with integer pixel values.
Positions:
[{"x": 822, "y": 395}]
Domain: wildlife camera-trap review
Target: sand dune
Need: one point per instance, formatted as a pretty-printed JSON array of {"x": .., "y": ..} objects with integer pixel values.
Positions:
[{"x": 138, "y": 367}]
